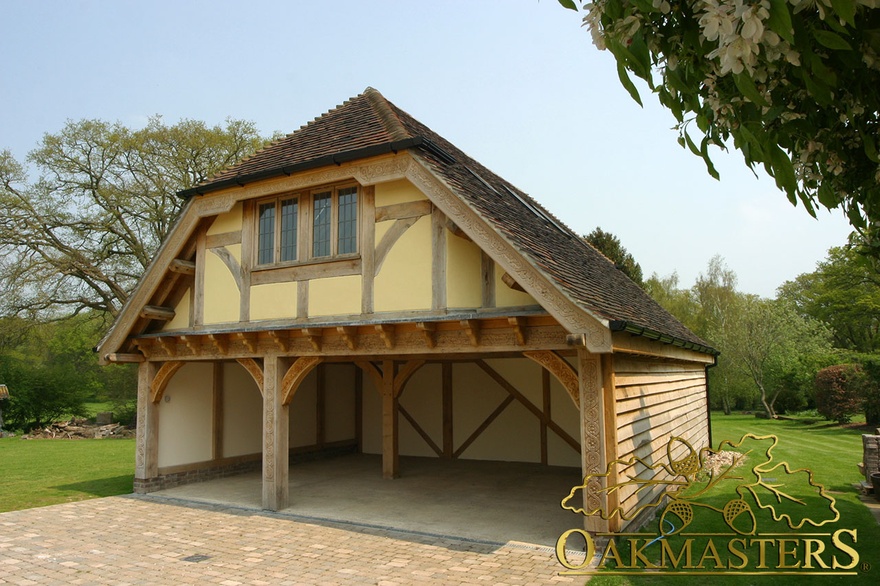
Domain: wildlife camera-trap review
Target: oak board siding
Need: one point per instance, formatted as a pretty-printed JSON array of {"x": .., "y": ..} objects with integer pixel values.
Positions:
[{"x": 657, "y": 400}]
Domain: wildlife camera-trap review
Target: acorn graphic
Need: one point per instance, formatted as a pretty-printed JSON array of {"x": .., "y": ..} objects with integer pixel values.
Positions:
[
  {"x": 678, "y": 515},
  {"x": 687, "y": 466},
  {"x": 739, "y": 516}
]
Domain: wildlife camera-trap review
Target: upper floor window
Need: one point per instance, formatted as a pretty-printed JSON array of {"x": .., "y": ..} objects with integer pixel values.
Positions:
[{"x": 285, "y": 235}]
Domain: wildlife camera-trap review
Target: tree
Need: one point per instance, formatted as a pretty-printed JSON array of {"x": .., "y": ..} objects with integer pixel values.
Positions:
[
  {"x": 793, "y": 84},
  {"x": 838, "y": 395},
  {"x": 843, "y": 292},
  {"x": 609, "y": 245},
  {"x": 79, "y": 237},
  {"x": 773, "y": 345}
]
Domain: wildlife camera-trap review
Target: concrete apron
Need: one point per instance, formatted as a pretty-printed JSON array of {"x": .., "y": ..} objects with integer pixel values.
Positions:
[{"x": 496, "y": 502}]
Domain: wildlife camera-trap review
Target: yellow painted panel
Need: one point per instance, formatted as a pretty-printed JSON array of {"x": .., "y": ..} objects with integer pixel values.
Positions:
[
  {"x": 235, "y": 251},
  {"x": 181, "y": 313},
  {"x": 507, "y": 297},
  {"x": 400, "y": 191},
  {"x": 222, "y": 299},
  {"x": 228, "y": 222},
  {"x": 335, "y": 296},
  {"x": 273, "y": 301},
  {"x": 404, "y": 281},
  {"x": 381, "y": 228},
  {"x": 463, "y": 273}
]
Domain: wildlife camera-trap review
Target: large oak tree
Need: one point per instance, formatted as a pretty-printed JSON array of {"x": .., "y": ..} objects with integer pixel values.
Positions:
[{"x": 78, "y": 236}]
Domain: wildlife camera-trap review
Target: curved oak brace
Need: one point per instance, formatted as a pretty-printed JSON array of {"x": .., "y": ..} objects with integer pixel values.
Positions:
[
  {"x": 406, "y": 371},
  {"x": 562, "y": 370},
  {"x": 372, "y": 372},
  {"x": 295, "y": 375},
  {"x": 255, "y": 370},
  {"x": 162, "y": 378},
  {"x": 233, "y": 265}
]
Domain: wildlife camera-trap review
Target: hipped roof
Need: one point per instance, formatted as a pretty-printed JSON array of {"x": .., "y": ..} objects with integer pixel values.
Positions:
[{"x": 369, "y": 125}]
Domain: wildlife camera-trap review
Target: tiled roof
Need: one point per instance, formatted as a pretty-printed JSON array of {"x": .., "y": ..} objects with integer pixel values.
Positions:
[{"x": 369, "y": 123}]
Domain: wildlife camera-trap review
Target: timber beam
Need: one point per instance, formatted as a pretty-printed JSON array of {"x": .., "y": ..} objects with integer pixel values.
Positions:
[
  {"x": 182, "y": 267},
  {"x": 158, "y": 313},
  {"x": 459, "y": 337}
]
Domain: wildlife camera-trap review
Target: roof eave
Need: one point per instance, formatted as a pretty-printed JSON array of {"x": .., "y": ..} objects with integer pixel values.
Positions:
[
  {"x": 335, "y": 159},
  {"x": 637, "y": 330}
]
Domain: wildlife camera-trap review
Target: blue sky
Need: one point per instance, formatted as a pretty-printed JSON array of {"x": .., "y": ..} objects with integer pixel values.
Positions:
[{"x": 516, "y": 84}]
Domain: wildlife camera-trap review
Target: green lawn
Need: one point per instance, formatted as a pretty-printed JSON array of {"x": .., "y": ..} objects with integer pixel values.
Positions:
[
  {"x": 831, "y": 452},
  {"x": 36, "y": 473}
]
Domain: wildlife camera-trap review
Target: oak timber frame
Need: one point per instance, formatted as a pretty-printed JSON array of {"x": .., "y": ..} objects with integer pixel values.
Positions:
[{"x": 387, "y": 348}]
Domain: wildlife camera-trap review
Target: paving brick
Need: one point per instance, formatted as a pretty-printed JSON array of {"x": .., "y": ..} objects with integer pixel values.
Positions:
[{"x": 136, "y": 540}]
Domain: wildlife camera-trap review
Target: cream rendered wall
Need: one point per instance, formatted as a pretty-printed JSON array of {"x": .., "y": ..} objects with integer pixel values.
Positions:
[
  {"x": 464, "y": 288},
  {"x": 229, "y": 222},
  {"x": 423, "y": 399},
  {"x": 186, "y": 416},
  {"x": 404, "y": 281},
  {"x": 335, "y": 296},
  {"x": 181, "y": 313},
  {"x": 303, "y": 431},
  {"x": 371, "y": 422},
  {"x": 394, "y": 192},
  {"x": 339, "y": 402},
  {"x": 221, "y": 299},
  {"x": 242, "y": 412},
  {"x": 564, "y": 413},
  {"x": 273, "y": 301},
  {"x": 507, "y": 297},
  {"x": 516, "y": 434}
]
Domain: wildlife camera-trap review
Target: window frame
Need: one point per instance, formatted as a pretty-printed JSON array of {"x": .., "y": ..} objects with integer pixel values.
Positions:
[{"x": 305, "y": 226}]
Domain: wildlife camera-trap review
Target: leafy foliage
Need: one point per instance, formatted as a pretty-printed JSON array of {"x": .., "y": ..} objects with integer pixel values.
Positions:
[
  {"x": 843, "y": 292},
  {"x": 610, "y": 245},
  {"x": 80, "y": 236},
  {"x": 769, "y": 352},
  {"x": 838, "y": 395},
  {"x": 53, "y": 371},
  {"x": 792, "y": 83}
]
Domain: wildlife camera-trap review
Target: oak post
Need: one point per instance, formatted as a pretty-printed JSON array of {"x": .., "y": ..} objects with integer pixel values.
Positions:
[
  {"x": 390, "y": 454},
  {"x": 592, "y": 436},
  {"x": 147, "y": 448},
  {"x": 275, "y": 437}
]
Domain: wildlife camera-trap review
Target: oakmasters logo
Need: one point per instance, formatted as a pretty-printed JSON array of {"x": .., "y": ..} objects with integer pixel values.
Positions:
[{"x": 711, "y": 504}]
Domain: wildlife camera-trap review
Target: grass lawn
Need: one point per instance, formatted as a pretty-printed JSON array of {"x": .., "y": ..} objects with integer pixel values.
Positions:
[
  {"x": 831, "y": 452},
  {"x": 36, "y": 473}
]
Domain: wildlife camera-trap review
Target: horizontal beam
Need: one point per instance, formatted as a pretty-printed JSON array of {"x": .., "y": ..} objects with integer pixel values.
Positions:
[{"x": 156, "y": 312}]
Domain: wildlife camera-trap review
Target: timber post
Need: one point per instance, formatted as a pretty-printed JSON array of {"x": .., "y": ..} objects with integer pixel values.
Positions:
[
  {"x": 276, "y": 417},
  {"x": 390, "y": 453},
  {"x": 593, "y": 457},
  {"x": 147, "y": 435}
]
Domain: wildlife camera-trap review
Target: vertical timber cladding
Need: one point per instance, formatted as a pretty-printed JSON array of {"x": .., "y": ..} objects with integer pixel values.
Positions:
[{"x": 657, "y": 399}]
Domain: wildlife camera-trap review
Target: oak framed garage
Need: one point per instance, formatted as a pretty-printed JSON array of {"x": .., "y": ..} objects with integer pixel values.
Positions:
[{"x": 362, "y": 284}]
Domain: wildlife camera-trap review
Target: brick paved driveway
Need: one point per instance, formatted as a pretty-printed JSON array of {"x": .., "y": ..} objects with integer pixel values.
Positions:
[{"x": 149, "y": 540}]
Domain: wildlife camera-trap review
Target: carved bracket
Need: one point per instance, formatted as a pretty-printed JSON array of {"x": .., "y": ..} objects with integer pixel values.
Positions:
[
  {"x": 295, "y": 375},
  {"x": 559, "y": 368},
  {"x": 255, "y": 370},
  {"x": 162, "y": 378}
]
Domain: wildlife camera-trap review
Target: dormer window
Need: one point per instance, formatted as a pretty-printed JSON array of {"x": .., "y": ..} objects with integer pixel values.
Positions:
[{"x": 310, "y": 226}]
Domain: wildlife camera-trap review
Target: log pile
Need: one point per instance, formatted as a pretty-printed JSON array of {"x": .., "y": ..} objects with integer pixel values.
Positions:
[{"x": 80, "y": 429}]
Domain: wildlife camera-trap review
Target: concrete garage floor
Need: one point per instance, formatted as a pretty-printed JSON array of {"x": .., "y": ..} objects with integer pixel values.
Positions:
[{"x": 497, "y": 502}]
